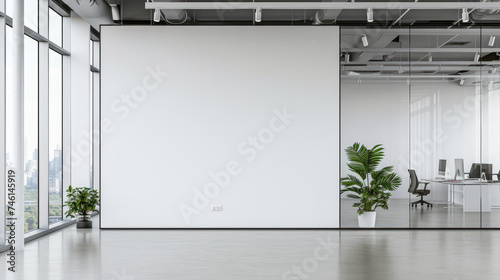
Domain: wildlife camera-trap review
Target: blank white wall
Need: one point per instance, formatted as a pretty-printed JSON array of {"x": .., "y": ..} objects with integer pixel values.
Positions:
[{"x": 225, "y": 85}]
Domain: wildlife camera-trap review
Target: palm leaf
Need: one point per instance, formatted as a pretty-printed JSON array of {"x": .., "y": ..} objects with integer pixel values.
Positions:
[{"x": 372, "y": 193}]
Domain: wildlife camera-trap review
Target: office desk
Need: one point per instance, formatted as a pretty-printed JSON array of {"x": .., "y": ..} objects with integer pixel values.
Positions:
[{"x": 473, "y": 195}]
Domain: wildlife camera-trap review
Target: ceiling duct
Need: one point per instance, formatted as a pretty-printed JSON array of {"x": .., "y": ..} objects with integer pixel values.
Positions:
[
  {"x": 174, "y": 16},
  {"x": 485, "y": 14},
  {"x": 94, "y": 13},
  {"x": 326, "y": 16}
]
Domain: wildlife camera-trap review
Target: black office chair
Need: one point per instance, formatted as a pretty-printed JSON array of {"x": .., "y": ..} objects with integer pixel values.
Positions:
[{"x": 413, "y": 189}]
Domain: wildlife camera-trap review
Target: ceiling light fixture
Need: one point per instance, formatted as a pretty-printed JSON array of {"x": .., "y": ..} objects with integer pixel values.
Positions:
[
  {"x": 429, "y": 58},
  {"x": 476, "y": 57},
  {"x": 493, "y": 70},
  {"x": 400, "y": 70},
  {"x": 347, "y": 57},
  {"x": 491, "y": 42},
  {"x": 364, "y": 40},
  {"x": 462, "y": 82},
  {"x": 369, "y": 15},
  {"x": 156, "y": 16},
  {"x": 258, "y": 15},
  {"x": 465, "y": 15}
]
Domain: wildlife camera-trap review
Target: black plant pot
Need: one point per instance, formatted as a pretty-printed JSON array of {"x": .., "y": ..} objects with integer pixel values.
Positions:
[
  {"x": 85, "y": 224},
  {"x": 84, "y": 221}
]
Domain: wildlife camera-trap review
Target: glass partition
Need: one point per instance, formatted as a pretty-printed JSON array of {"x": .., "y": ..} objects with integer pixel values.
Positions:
[
  {"x": 374, "y": 110},
  {"x": 431, "y": 97},
  {"x": 489, "y": 79},
  {"x": 445, "y": 125}
]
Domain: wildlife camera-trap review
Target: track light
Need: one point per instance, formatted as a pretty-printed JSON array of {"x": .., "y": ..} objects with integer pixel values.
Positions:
[
  {"x": 491, "y": 42},
  {"x": 258, "y": 15},
  {"x": 476, "y": 57},
  {"x": 465, "y": 15},
  {"x": 462, "y": 82},
  {"x": 493, "y": 70},
  {"x": 115, "y": 12},
  {"x": 347, "y": 57},
  {"x": 429, "y": 57},
  {"x": 364, "y": 40},
  {"x": 157, "y": 15},
  {"x": 369, "y": 15},
  {"x": 400, "y": 70}
]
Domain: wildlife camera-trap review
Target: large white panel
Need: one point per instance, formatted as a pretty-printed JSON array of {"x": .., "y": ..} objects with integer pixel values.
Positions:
[{"x": 180, "y": 103}]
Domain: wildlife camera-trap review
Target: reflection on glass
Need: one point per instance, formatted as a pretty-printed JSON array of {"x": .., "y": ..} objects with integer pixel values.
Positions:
[
  {"x": 445, "y": 125},
  {"x": 8, "y": 7},
  {"x": 30, "y": 134},
  {"x": 55, "y": 27},
  {"x": 31, "y": 14},
  {"x": 55, "y": 137}
]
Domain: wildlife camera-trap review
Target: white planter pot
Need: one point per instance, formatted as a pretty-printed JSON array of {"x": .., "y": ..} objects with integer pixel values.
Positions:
[{"x": 367, "y": 219}]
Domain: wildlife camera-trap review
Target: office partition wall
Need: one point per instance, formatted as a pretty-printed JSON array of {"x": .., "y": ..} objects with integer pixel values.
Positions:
[
  {"x": 446, "y": 122},
  {"x": 375, "y": 110},
  {"x": 451, "y": 111},
  {"x": 490, "y": 122},
  {"x": 219, "y": 127}
]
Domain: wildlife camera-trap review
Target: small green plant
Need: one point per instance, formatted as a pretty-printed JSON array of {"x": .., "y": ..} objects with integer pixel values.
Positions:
[
  {"x": 373, "y": 187},
  {"x": 81, "y": 202}
]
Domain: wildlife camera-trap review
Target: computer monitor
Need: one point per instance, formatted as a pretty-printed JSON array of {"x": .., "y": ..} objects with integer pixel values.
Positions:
[
  {"x": 459, "y": 169},
  {"x": 475, "y": 171},
  {"x": 478, "y": 168},
  {"x": 442, "y": 167}
]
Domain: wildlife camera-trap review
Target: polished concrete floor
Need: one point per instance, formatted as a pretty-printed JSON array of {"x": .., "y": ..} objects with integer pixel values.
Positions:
[
  {"x": 441, "y": 215},
  {"x": 259, "y": 254}
]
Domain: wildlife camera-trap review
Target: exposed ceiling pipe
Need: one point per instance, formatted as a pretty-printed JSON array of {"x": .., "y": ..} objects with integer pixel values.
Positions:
[
  {"x": 326, "y": 16},
  {"x": 95, "y": 14},
  {"x": 400, "y": 17},
  {"x": 483, "y": 14},
  {"x": 174, "y": 16}
]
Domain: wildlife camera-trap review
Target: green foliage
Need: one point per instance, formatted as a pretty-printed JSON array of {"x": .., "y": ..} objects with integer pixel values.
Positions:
[
  {"x": 55, "y": 210},
  {"x": 30, "y": 194},
  {"x": 373, "y": 187},
  {"x": 30, "y": 217},
  {"x": 81, "y": 201}
]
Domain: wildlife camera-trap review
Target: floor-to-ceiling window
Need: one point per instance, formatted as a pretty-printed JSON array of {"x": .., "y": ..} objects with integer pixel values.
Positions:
[
  {"x": 43, "y": 97},
  {"x": 30, "y": 134},
  {"x": 55, "y": 119},
  {"x": 55, "y": 137}
]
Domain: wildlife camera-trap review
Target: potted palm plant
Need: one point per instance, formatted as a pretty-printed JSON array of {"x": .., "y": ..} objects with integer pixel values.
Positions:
[
  {"x": 371, "y": 187},
  {"x": 81, "y": 203}
]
